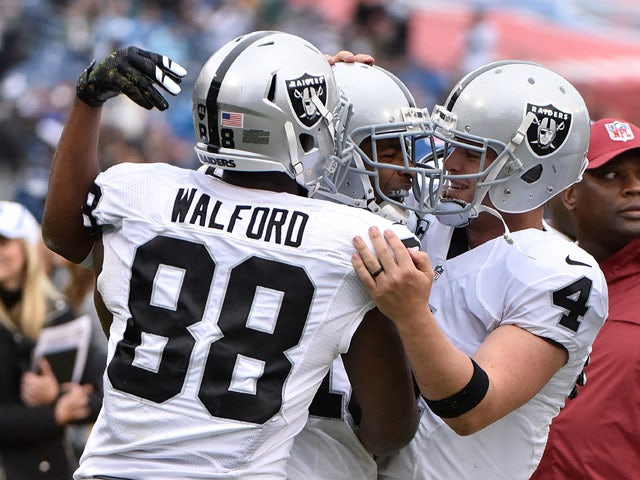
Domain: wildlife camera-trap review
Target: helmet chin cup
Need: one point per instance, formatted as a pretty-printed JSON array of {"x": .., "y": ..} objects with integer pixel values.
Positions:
[
  {"x": 393, "y": 213},
  {"x": 455, "y": 213}
]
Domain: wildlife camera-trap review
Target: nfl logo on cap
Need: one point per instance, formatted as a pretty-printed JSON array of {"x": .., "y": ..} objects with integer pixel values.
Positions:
[{"x": 619, "y": 131}]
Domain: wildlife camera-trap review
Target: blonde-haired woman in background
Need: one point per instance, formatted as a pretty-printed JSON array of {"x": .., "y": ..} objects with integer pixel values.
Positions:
[{"x": 34, "y": 408}]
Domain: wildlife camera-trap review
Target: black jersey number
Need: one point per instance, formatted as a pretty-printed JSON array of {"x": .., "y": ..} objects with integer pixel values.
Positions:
[
  {"x": 194, "y": 266},
  {"x": 573, "y": 298},
  {"x": 327, "y": 403}
]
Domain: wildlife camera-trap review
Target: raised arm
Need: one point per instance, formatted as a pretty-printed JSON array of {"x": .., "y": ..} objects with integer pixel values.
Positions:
[
  {"x": 508, "y": 369},
  {"x": 75, "y": 166}
]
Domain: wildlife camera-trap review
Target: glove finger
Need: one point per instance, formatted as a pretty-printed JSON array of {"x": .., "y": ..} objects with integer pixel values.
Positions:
[
  {"x": 145, "y": 94},
  {"x": 160, "y": 68},
  {"x": 170, "y": 67}
]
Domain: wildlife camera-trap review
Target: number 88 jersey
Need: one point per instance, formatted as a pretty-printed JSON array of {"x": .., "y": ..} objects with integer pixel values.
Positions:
[{"x": 229, "y": 306}]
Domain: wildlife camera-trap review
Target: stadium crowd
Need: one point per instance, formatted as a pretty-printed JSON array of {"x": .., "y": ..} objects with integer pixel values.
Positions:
[{"x": 45, "y": 43}]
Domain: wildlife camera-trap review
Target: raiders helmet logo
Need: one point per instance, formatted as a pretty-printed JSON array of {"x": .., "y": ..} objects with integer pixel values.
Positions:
[
  {"x": 202, "y": 111},
  {"x": 304, "y": 92},
  {"x": 549, "y": 130}
]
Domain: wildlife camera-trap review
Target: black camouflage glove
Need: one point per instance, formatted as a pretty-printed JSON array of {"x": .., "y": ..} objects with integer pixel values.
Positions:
[{"x": 135, "y": 73}]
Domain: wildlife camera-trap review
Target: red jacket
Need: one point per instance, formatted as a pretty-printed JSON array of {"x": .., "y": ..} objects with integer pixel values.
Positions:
[{"x": 597, "y": 434}]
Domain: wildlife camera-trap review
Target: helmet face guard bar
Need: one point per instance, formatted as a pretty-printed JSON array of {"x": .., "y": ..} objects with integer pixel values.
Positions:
[{"x": 491, "y": 173}]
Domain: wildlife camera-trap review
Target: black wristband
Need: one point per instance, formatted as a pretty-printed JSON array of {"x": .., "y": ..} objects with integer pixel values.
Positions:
[{"x": 464, "y": 400}]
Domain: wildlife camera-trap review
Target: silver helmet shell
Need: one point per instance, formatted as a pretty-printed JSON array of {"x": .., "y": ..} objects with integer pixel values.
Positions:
[
  {"x": 533, "y": 118},
  {"x": 267, "y": 101}
]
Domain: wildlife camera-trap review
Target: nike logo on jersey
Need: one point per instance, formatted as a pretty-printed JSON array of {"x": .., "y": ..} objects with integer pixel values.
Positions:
[{"x": 575, "y": 262}]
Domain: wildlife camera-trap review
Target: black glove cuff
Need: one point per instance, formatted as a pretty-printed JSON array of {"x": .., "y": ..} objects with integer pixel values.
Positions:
[{"x": 84, "y": 88}]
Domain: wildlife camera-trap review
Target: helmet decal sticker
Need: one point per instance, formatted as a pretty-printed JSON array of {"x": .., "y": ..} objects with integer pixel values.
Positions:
[
  {"x": 549, "y": 130},
  {"x": 232, "y": 119},
  {"x": 257, "y": 137},
  {"x": 302, "y": 91},
  {"x": 202, "y": 127}
]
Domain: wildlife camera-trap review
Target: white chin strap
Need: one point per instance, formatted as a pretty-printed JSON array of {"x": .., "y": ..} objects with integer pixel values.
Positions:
[
  {"x": 452, "y": 213},
  {"x": 394, "y": 213}
]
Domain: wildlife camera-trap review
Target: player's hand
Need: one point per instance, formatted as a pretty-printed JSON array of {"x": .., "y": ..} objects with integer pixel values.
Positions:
[
  {"x": 398, "y": 279},
  {"x": 349, "y": 57},
  {"x": 134, "y": 72}
]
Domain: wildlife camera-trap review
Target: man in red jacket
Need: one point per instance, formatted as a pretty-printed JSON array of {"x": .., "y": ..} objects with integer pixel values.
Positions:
[{"x": 597, "y": 434}]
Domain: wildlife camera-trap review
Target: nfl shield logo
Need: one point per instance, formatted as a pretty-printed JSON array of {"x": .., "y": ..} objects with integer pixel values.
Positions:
[
  {"x": 619, "y": 131},
  {"x": 304, "y": 92},
  {"x": 549, "y": 130}
]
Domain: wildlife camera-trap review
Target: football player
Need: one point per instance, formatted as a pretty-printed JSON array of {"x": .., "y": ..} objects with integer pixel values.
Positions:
[
  {"x": 378, "y": 176},
  {"x": 498, "y": 319},
  {"x": 227, "y": 299}
]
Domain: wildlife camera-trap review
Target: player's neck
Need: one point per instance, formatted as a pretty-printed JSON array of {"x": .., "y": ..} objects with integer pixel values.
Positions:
[
  {"x": 272, "y": 181},
  {"x": 487, "y": 227}
]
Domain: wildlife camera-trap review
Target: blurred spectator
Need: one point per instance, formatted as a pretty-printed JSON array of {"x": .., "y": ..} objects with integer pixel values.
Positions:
[
  {"x": 382, "y": 30},
  {"x": 78, "y": 290},
  {"x": 230, "y": 19},
  {"x": 479, "y": 42},
  {"x": 308, "y": 22},
  {"x": 34, "y": 408},
  {"x": 597, "y": 434}
]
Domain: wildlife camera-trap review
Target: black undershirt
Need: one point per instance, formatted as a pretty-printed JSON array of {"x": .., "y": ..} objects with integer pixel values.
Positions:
[{"x": 458, "y": 244}]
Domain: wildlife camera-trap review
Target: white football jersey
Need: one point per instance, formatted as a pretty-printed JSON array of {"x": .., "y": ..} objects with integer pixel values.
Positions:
[
  {"x": 328, "y": 447},
  {"x": 543, "y": 284},
  {"x": 229, "y": 306}
]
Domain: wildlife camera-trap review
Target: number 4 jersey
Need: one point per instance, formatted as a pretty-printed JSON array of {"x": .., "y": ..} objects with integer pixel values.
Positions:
[
  {"x": 229, "y": 305},
  {"x": 541, "y": 283}
]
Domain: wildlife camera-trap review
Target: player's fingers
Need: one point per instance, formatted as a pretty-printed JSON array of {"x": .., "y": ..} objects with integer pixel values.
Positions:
[
  {"x": 165, "y": 63},
  {"x": 369, "y": 259},
  {"x": 364, "y": 58},
  {"x": 343, "y": 56},
  {"x": 381, "y": 248},
  {"x": 363, "y": 272},
  {"x": 398, "y": 248},
  {"x": 159, "y": 68},
  {"x": 421, "y": 261},
  {"x": 144, "y": 94}
]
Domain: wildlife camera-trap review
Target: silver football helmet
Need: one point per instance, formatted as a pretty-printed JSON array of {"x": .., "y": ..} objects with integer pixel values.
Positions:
[
  {"x": 378, "y": 107},
  {"x": 535, "y": 121},
  {"x": 267, "y": 101}
]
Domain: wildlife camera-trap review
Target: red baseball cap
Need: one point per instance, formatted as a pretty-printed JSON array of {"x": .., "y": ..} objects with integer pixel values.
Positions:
[{"x": 609, "y": 138}]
